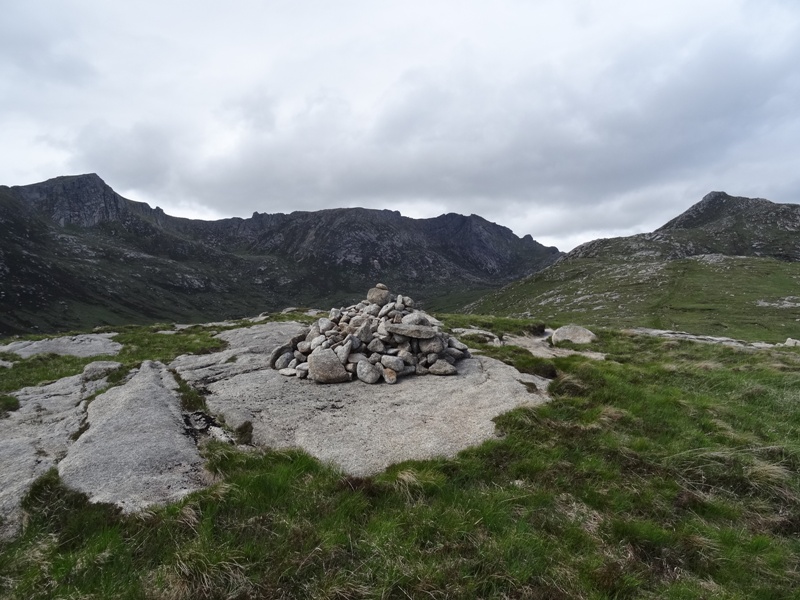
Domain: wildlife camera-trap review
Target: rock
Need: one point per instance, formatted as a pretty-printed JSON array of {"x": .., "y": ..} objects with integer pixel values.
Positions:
[
  {"x": 367, "y": 372},
  {"x": 390, "y": 376},
  {"x": 392, "y": 362},
  {"x": 454, "y": 353},
  {"x": 457, "y": 344},
  {"x": 574, "y": 334},
  {"x": 325, "y": 324},
  {"x": 325, "y": 367},
  {"x": 442, "y": 367},
  {"x": 92, "y": 344},
  {"x": 287, "y": 372},
  {"x": 416, "y": 318},
  {"x": 434, "y": 345},
  {"x": 277, "y": 353},
  {"x": 301, "y": 370},
  {"x": 381, "y": 286},
  {"x": 791, "y": 342},
  {"x": 283, "y": 360},
  {"x": 343, "y": 351},
  {"x": 376, "y": 346},
  {"x": 135, "y": 452},
  {"x": 373, "y": 310},
  {"x": 412, "y": 331},
  {"x": 304, "y": 347},
  {"x": 378, "y": 296},
  {"x": 317, "y": 342}
]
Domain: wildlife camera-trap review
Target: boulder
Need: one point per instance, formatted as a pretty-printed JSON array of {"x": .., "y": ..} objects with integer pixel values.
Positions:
[
  {"x": 392, "y": 362},
  {"x": 325, "y": 367},
  {"x": 574, "y": 334},
  {"x": 378, "y": 296}
]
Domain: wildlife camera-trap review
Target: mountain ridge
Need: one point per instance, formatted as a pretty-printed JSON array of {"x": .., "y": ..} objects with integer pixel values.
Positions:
[{"x": 117, "y": 260}]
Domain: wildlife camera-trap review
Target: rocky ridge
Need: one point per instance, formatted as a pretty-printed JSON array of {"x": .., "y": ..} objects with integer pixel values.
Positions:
[
  {"x": 381, "y": 338},
  {"x": 76, "y": 254}
]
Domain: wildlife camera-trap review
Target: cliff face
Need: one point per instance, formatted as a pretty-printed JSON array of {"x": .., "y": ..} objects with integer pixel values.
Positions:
[{"x": 119, "y": 260}]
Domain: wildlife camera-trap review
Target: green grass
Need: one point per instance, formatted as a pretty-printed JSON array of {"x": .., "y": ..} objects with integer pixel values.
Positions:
[
  {"x": 736, "y": 297},
  {"x": 7, "y": 405},
  {"x": 670, "y": 470},
  {"x": 139, "y": 343}
]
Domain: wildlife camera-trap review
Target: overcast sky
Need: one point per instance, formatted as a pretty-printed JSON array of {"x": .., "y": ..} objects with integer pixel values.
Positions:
[{"x": 566, "y": 119}]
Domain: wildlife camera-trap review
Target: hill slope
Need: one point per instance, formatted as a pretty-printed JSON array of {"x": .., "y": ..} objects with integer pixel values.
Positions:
[
  {"x": 728, "y": 265},
  {"x": 76, "y": 254}
]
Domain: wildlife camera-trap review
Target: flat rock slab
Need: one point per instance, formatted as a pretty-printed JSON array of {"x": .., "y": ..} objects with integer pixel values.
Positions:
[
  {"x": 538, "y": 346},
  {"x": 363, "y": 429},
  {"x": 248, "y": 350},
  {"x": 703, "y": 339},
  {"x": 135, "y": 452},
  {"x": 37, "y": 435},
  {"x": 92, "y": 344}
]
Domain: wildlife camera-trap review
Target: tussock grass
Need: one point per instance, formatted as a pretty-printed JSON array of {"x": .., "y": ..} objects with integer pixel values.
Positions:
[{"x": 647, "y": 476}]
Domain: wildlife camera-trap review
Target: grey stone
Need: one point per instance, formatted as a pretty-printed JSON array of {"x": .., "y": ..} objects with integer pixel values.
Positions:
[
  {"x": 387, "y": 308},
  {"x": 381, "y": 286},
  {"x": 356, "y": 357},
  {"x": 407, "y": 357},
  {"x": 456, "y": 354},
  {"x": 343, "y": 351},
  {"x": 376, "y": 346},
  {"x": 442, "y": 367},
  {"x": 304, "y": 347},
  {"x": 367, "y": 372},
  {"x": 325, "y": 367},
  {"x": 302, "y": 370},
  {"x": 317, "y": 342},
  {"x": 288, "y": 372},
  {"x": 277, "y": 353},
  {"x": 135, "y": 452},
  {"x": 434, "y": 345},
  {"x": 574, "y": 334},
  {"x": 378, "y": 296},
  {"x": 92, "y": 344},
  {"x": 416, "y": 318},
  {"x": 457, "y": 344},
  {"x": 432, "y": 358},
  {"x": 325, "y": 324},
  {"x": 413, "y": 331},
  {"x": 283, "y": 360},
  {"x": 392, "y": 362},
  {"x": 373, "y": 310},
  {"x": 375, "y": 358}
]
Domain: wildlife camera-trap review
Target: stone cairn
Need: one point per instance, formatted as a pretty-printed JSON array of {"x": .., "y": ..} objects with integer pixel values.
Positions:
[{"x": 382, "y": 337}]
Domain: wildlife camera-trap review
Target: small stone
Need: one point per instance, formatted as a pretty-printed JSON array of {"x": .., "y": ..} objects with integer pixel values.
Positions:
[
  {"x": 385, "y": 310},
  {"x": 407, "y": 357},
  {"x": 407, "y": 370},
  {"x": 356, "y": 357},
  {"x": 375, "y": 358},
  {"x": 367, "y": 372},
  {"x": 376, "y": 346},
  {"x": 288, "y": 372},
  {"x": 317, "y": 342},
  {"x": 325, "y": 325},
  {"x": 422, "y": 370},
  {"x": 381, "y": 286},
  {"x": 283, "y": 360},
  {"x": 277, "y": 353},
  {"x": 432, "y": 358},
  {"x": 343, "y": 351},
  {"x": 432, "y": 345},
  {"x": 302, "y": 370},
  {"x": 304, "y": 347},
  {"x": 393, "y": 362},
  {"x": 456, "y": 354},
  {"x": 457, "y": 344},
  {"x": 442, "y": 367},
  {"x": 390, "y": 376},
  {"x": 373, "y": 310},
  {"x": 413, "y": 331}
]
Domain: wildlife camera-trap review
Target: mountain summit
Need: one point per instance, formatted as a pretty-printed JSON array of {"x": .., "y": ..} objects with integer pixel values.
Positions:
[{"x": 76, "y": 253}]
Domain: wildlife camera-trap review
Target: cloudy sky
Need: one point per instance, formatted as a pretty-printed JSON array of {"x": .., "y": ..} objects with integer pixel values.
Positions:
[{"x": 566, "y": 119}]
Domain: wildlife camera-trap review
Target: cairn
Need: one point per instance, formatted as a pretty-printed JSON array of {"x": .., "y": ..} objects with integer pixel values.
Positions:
[{"x": 380, "y": 338}]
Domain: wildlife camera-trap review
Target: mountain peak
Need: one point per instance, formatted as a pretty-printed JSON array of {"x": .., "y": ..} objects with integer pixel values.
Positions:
[{"x": 716, "y": 206}]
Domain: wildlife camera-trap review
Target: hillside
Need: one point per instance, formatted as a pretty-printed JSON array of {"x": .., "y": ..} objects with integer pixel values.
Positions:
[
  {"x": 77, "y": 254},
  {"x": 728, "y": 265}
]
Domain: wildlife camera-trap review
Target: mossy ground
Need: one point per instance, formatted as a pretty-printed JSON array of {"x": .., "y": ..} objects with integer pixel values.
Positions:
[{"x": 669, "y": 470}]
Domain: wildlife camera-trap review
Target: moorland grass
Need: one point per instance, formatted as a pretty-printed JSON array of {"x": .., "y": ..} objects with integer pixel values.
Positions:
[{"x": 669, "y": 470}]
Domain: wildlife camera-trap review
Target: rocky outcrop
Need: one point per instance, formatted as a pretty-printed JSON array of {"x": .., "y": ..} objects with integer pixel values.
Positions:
[
  {"x": 91, "y": 344},
  {"x": 572, "y": 333},
  {"x": 382, "y": 337}
]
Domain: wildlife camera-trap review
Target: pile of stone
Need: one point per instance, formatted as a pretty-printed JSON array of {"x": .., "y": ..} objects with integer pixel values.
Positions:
[{"x": 380, "y": 338}]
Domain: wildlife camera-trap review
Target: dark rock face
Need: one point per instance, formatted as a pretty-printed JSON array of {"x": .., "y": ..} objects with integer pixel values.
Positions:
[
  {"x": 76, "y": 254},
  {"x": 718, "y": 224}
]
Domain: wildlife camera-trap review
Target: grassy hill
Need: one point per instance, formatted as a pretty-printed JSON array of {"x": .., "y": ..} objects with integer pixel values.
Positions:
[{"x": 741, "y": 297}]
